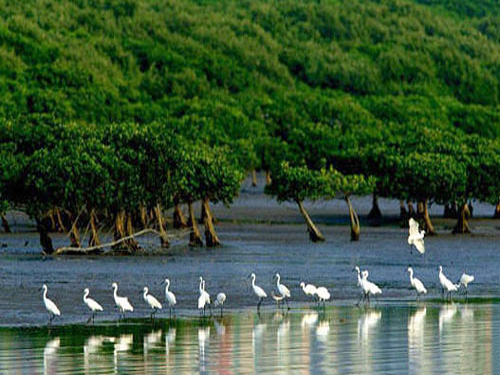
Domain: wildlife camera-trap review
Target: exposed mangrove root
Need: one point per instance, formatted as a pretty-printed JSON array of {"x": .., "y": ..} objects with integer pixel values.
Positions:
[
  {"x": 132, "y": 244},
  {"x": 179, "y": 218},
  {"x": 496, "y": 214},
  {"x": 94, "y": 235},
  {"x": 314, "y": 233},
  {"x": 195, "y": 236},
  {"x": 254, "y": 178},
  {"x": 411, "y": 209},
  {"x": 462, "y": 225},
  {"x": 375, "y": 215},
  {"x": 5, "y": 224},
  {"x": 211, "y": 238},
  {"x": 143, "y": 214},
  {"x": 354, "y": 219},
  {"x": 427, "y": 223},
  {"x": 45, "y": 240},
  {"x": 123, "y": 229},
  {"x": 450, "y": 211},
  {"x": 74, "y": 234},
  {"x": 161, "y": 227},
  {"x": 61, "y": 227},
  {"x": 268, "y": 178}
]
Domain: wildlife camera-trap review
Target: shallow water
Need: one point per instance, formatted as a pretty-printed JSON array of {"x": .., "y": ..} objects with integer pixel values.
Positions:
[{"x": 385, "y": 339}]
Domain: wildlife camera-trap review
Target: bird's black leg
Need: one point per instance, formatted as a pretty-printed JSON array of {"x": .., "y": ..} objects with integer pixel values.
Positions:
[
  {"x": 258, "y": 305},
  {"x": 286, "y": 300}
]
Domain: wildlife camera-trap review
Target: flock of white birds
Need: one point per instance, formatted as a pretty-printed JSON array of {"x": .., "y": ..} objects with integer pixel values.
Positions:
[{"x": 319, "y": 294}]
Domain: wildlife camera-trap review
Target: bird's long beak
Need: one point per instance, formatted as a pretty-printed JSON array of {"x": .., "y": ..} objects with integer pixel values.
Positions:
[{"x": 163, "y": 282}]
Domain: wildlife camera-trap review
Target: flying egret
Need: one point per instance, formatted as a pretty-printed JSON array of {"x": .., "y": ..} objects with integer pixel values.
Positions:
[
  {"x": 284, "y": 291},
  {"x": 50, "y": 306},
  {"x": 416, "y": 237},
  {"x": 323, "y": 295},
  {"x": 170, "y": 297},
  {"x": 371, "y": 287},
  {"x": 446, "y": 283},
  {"x": 204, "y": 298},
  {"x": 309, "y": 289},
  {"x": 465, "y": 280},
  {"x": 416, "y": 283},
  {"x": 259, "y": 292},
  {"x": 121, "y": 302},
  {"x": 92, "y": 304},
  {"x": 151, "y": 300},
  {"x": 221, "y": 298}
]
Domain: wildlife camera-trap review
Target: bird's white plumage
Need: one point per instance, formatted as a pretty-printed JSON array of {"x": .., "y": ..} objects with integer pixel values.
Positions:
[
  {"x": 416, "y": 236},
  {"x": 121, "y": 302},
  {"x": 92, "y": 304},
  {"x": 169, "y": 295},
  {"x": 259, "y": 292},
  {"x": 323, "y": 294},
  {"x": 50, "y": 306},
  {"x": 204, "y": 298},
  {"x": 370, "y": 287},
  {"x": 466, "y": 279},
  {"x": 416, "y": 283},
  {"x": 151, "y": 300},
  {"x": 309, "y": 289},
  {"x": 221, "y": 298},
  {"x": 284, "y": 291},
  {"x": 445, "y": 282}
]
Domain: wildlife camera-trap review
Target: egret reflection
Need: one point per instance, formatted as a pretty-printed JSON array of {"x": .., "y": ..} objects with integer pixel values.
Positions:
[{"x": 50, "y": 356}]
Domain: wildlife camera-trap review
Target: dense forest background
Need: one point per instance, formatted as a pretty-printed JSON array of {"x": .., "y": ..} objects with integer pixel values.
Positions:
[{"x": 393, "y": 98}]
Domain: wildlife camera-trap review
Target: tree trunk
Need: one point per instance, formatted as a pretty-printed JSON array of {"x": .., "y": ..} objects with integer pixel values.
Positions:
[
  {"x": 375, "y": 216},
  {"x": 254, "y": 178},
  {"x": 161, "y": 227},
  {"x": 60, "y": 223},
  {"x": 471, "y": 210},
  {"x": 450, "y": 211},
  {"x": 53, "y": 226},
  {"x": 143, "y": 213},
  {"x": 94, "y": 235},
  {"x": 403, "y": 214},
  {"x": 194, "y": 236},
  {"x": 211, "y": 238},
  {"x": 411, "y": 209},
  {"x": 132, "y": 243},
  {"x": 45, "y": 240},
  {"x": 428, "y": 227},
  {"x": 314, "y": 233},
  {"x": 462, "y": 225},
  {"x": 202, "y": 217},
  {"x": 496, "y": 215},
  {"x": 5, "y": 224},
  {"x": 74, "y": 235},
  {"x": 353, "y": 216},
  {"x": 179, "y": 218},
  {"x": 268, "y": 178}
]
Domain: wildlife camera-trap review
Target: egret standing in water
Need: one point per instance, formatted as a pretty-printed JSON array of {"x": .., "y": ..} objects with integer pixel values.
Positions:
[
  {"x": 446, "y": 283},
  {"x": 416, "y": 283},
  {"x": 416, "y": 237},
  {"x": 170, "y": 297},
  {"x": 121, "y": 302},
  {"x": 152, "y": 301},
  {"x": 323, "y": 295},
  {"x": 50, "y": 306},
  {"x": 259, "y": 292},
  {"x": 92, "y": 304},
  {"x": 371, "y": 288},
  {"x": 362, "y": 285},
  {"x": 465, "y": 280},
  {"x": 283, "y": 290},
  {"x": 221, "y": 298},
  {"x": 309, "y": 289},
  {"x": 204, "y": 298}
]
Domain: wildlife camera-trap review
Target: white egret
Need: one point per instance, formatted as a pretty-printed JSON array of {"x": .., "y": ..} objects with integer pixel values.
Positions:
[
  {"x": 309, "y": 289},
  {"x": 416, "y": 283},
  {"x": 259, "y": 292},
  {"x": 278, "y": 298},
  {"x": 170, "y": 297},
  {"x": 151, "y": 300},
  {"x": 283, "y": 290},
  {"x": 416, "y": 237},
  {"x": 465, "y": 280},
  {"x": 204, "y": 298},
  {"x": 371, "y": 287},
  {"x": 92, "y": 304},
  {"x": 221, "y": 298},
  {"x": 121, "y": 302},
  {"x": 50, "y": 306},
  {"x": 446, "y": 283},
  {"x": 362, "y": 285},
  {"x": 323, "y": 294}
]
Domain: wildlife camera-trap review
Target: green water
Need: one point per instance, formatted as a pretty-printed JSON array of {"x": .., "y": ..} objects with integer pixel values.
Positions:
[{"x": 392, "y": 338}]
